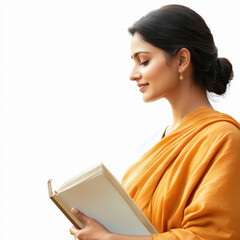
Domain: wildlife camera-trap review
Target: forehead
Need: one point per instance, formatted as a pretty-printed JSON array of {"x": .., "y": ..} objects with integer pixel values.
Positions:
[{"x": 137, "y": 43}]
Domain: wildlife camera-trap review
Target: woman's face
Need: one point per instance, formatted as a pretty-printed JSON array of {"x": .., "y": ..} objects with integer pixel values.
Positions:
[{"x": 156, "y": 76}]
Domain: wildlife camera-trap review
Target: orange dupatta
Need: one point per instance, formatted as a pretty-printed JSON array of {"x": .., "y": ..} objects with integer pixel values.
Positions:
[{"x": 188, "y": 184}]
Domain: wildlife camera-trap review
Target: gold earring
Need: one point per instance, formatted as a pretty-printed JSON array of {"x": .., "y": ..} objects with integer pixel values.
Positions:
[{"x": 181, "y": 78}]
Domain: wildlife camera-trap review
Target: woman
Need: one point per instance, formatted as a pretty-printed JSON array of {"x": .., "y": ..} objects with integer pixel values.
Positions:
[{"x": 188, "y": 184}]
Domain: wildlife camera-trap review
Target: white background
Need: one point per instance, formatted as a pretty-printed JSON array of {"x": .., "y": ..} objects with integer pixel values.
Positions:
[{"x": 66, "y": 102}]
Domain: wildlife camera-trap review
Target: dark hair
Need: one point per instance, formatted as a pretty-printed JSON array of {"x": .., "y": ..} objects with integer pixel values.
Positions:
[{"x": 173, "y": 27}]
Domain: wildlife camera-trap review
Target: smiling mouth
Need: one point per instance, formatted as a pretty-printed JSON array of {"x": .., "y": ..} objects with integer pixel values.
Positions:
[{"x": 142, "y": 86}]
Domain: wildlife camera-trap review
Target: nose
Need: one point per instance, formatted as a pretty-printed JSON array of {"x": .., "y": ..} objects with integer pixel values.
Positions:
[{"x": 135, "y": 75}]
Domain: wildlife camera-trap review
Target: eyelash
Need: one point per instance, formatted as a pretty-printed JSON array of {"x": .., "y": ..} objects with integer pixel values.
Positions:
[{"x": 144, "y": 63}]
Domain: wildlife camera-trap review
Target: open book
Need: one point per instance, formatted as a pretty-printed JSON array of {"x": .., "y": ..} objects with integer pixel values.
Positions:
[{"x": 99, "y": 195}]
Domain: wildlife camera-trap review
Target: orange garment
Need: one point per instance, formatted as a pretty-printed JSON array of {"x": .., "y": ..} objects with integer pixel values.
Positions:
[{"x": 188, "y": 184}]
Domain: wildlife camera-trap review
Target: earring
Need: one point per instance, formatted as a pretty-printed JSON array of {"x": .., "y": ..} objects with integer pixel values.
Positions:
[{"x": 181, "y": 78}]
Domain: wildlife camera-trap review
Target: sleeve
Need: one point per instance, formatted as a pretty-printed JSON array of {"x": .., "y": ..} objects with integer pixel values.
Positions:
[{"x": 213, "y": 212}]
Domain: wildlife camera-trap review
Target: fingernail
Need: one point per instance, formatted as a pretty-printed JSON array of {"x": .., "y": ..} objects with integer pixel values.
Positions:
[{"x": 75, "y": 210}]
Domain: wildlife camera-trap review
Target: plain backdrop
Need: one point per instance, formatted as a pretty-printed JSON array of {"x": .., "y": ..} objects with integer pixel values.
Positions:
[{"x": 66, "y": 102}]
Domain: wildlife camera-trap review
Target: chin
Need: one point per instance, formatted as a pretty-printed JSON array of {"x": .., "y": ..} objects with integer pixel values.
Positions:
[{"x": 150, "y": 99}]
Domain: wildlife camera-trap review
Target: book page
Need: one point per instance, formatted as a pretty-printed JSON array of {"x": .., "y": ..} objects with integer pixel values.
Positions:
[{"x": 97, "y": 198}]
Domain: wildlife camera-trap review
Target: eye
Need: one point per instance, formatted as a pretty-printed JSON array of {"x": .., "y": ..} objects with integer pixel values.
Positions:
[{"x": 145, "y": 63}]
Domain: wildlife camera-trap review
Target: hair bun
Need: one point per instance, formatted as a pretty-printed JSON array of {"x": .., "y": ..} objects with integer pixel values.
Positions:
[
  {"x": 187, "y": 29},
  {"x": 223, "y": 74}
]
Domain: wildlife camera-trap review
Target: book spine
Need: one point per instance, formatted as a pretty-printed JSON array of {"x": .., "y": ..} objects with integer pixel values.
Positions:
[
  {"x": 62, "y": 206},
  {"x": 76, "y": 223}
]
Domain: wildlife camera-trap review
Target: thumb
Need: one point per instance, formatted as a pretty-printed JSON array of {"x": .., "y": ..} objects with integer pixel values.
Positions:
[{"x": 80, "y": 216}]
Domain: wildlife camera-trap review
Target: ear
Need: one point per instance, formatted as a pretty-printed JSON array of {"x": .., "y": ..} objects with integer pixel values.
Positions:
[{"x": 184, "y": 59}]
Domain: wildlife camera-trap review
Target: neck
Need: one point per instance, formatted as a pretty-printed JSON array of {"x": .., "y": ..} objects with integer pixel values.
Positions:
[{"x": 186, "y": 102}]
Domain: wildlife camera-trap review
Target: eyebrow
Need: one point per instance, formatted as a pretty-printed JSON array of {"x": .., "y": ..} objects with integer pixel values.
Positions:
[{"x": 137, "y": 53}]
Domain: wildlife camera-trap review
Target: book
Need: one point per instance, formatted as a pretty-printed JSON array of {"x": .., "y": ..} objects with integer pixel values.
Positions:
[{"x": 99, "y": 195}]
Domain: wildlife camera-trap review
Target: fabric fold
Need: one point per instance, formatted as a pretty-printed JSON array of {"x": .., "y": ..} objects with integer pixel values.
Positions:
[{"x": 173, "y": 183}]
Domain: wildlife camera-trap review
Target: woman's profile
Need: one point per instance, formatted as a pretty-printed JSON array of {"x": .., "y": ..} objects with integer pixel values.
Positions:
[{"x": 188, "y": 184}]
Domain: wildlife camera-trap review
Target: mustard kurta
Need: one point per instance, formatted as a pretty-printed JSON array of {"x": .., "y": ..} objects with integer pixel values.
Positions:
[{"x": 188, "y": 184}]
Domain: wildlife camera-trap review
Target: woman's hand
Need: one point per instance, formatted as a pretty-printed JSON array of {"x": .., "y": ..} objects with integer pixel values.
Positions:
[
  {"x": 93, "y": 229},
  {"x": 96, "y": 231}
]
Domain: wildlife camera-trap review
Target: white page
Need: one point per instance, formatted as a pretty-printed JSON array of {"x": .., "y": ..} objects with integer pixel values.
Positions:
[{"x": 97, "y": 198}]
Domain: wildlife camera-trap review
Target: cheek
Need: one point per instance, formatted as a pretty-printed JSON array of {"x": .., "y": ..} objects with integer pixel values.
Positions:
[{"x": 161, "y": 74}]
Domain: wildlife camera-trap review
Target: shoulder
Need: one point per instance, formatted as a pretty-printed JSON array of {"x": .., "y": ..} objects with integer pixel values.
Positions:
[
  {"x": 222, "y": 133},
  {"x": 222, "y": 128},
  {"x": 217, "y": 135}
]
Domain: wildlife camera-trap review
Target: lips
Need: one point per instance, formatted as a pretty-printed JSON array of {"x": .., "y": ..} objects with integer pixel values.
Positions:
[{"x": 142, "y": 86}]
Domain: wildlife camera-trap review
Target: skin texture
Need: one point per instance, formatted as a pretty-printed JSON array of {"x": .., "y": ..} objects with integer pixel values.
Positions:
[
  {"x": 152, "y": 68},
  {"x": 158, "y": 76},
  {"x": 162, "y": 73}
]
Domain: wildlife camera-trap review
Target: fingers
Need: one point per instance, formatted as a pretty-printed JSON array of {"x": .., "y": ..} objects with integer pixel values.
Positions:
[
  {"x": 80, "y": 216},
  {"x": 92, "y": 230},
  {"x": 74, "y": 231}
]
